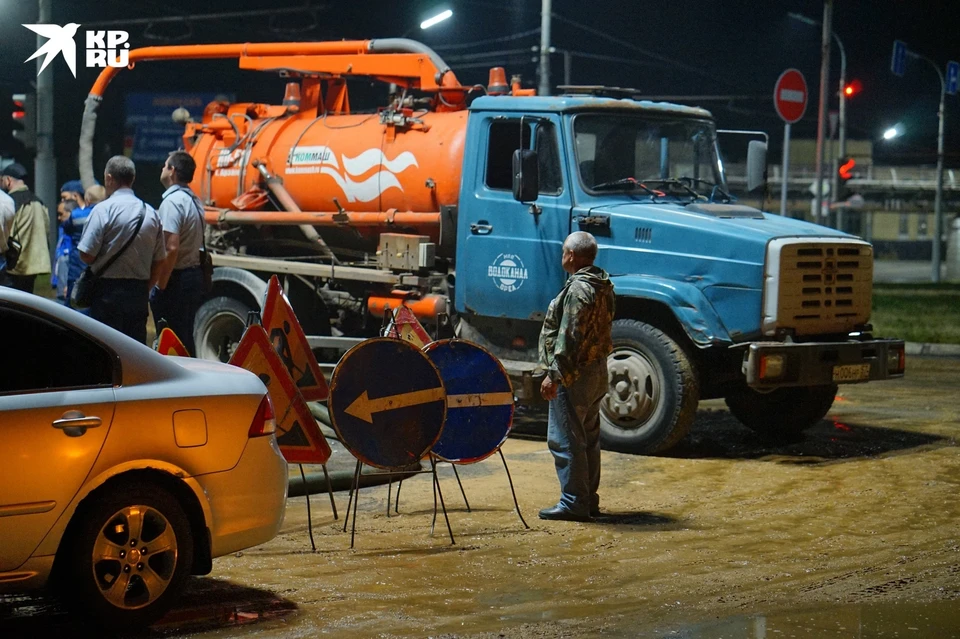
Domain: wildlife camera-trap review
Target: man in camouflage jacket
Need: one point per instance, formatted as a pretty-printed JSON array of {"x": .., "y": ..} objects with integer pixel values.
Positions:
[{"x": 574, "y": 344}]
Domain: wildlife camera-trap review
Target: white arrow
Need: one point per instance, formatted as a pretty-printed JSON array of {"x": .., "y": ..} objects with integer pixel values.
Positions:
[
  {"x": 479, "y": 399},
  {"x": 363, "y": 407}
]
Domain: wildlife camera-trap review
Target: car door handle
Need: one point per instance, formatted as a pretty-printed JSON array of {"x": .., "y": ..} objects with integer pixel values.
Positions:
[
  {"x": 74, "y": 423},
  {"x": 481, "y": 228}
]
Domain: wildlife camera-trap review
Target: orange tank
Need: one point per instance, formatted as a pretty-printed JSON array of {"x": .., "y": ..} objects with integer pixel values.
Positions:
[{"x": 367, "y": 166}]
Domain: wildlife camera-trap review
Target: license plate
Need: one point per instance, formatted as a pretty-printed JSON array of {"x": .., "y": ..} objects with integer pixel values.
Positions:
[{"x": 851, "y": 372}]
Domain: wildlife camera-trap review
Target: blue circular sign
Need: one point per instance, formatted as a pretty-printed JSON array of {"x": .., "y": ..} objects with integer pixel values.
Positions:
[
  {"x": 479, "y": 401},
  {"x": 387, "y": 402}
]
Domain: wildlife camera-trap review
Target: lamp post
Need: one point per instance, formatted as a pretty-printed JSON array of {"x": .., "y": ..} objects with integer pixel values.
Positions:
[
  {"x": 842, "y": 124},
  {"x": 938, "y": 200}
]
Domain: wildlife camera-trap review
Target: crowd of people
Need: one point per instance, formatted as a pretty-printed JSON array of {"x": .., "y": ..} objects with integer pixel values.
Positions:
[{"x": 130, "y": 256}]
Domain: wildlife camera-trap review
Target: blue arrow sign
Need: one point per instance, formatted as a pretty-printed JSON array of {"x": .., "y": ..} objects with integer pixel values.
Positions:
[
  {"x": 387, "y": 402},
  {"x": 479, "y": 401},
  {"x": 898, "y": 63},
  {"x": 953, "y": 77}
]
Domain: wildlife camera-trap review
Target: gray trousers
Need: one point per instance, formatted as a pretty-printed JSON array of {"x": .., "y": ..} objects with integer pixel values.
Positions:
[{"x": 573, "y": 435}]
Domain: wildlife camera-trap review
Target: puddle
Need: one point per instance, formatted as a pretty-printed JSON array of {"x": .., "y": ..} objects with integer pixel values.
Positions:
[{"x": 855, "y": 621}]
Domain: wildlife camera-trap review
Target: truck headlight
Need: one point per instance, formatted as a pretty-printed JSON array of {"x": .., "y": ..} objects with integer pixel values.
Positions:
[{"x": 771, "y": 366}]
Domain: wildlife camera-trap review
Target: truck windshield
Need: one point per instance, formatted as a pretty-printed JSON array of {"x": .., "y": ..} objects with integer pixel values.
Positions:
[{"x": 655, "y": 156}]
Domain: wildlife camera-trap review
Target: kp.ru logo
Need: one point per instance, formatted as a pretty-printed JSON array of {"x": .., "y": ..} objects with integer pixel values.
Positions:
[{"x": 104, "y": 48}]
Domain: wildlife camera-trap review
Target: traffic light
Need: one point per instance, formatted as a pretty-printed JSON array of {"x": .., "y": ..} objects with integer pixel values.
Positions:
[
  {"x": 852, "y": 88},
  {"x": 25, "y": 115},
  {"x": 845, "y": 169}
]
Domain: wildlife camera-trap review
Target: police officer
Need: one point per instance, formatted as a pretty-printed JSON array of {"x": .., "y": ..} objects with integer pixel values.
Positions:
[
  {"x": 123, "y": 289},
  {"x": 179, "y": 291},
  {"x": 574, "y": 344},
  {"x": 31, "y": 227}
]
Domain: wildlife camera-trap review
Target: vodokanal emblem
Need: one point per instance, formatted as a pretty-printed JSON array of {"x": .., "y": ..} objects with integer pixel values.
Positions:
[{"x": 508, "y": 272}]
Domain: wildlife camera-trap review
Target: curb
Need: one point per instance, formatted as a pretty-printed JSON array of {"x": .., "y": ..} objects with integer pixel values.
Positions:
[{"x": 932, "y": 350}]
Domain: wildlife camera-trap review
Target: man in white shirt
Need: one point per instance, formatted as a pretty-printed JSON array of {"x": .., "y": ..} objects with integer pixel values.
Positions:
[
  {"x": 179, "y": 291},
  {"x": 123, "y": 289}
]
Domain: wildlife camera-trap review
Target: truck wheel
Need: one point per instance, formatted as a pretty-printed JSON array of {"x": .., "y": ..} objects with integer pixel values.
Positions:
[
  {"x": 784, "y": 412},
  {"x": 130, "y": 557},
  {"x": 653, "y": 390},
  {"x": 219, "y": 326}
]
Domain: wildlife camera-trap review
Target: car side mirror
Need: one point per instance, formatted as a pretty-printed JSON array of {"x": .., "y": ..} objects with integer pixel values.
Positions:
[
  {"x": 526, "y": 175},
  {"x": 756, "y": 164}
]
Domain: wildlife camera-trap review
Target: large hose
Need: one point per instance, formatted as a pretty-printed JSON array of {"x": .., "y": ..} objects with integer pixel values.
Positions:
[{"x": 88, "y": 126}]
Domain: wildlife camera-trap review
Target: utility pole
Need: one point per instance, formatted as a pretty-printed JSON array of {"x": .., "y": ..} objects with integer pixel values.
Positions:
[
  {"x": 842, "y": 125},
  {"x": 45, "y": 164},
  {"x": 545, "y": 10},
  {"x": 822, "y": 110}
]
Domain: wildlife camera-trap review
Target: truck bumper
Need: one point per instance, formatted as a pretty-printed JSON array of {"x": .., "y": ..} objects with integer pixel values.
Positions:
[{"x": 769, "y": 365}]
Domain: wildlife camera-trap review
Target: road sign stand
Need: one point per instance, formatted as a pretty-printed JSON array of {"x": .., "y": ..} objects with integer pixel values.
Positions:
[{"x": 355, "y": 499}]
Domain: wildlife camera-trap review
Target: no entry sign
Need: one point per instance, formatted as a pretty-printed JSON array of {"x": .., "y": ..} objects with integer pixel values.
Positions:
[{"x": 790, "y": 96}]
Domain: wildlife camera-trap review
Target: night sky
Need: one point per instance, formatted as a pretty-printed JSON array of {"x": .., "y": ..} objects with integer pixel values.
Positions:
[{"x": 681, "y": 47}]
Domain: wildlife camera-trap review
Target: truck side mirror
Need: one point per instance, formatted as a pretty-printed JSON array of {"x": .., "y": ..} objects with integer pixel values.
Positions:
[
  {"x": 756, "y": 164},
  {"x": 526, "y": 175}
]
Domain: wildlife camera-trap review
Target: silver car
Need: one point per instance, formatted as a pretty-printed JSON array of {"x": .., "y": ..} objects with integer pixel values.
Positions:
[{"x": 122, "y": 471}]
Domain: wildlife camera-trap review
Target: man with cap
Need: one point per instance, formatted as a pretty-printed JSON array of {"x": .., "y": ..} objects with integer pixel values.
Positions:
[
  {"x": 72, "y": 224},
  {"x": 31, "y": 227},
  {"x": 122, "y": 290}
]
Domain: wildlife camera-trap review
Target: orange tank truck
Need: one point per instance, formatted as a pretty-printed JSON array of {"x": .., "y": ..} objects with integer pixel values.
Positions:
[{"x": 346, "y": 160}]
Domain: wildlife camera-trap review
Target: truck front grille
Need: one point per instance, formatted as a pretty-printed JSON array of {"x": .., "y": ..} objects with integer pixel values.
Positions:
[{"x": 824, "y": 287}]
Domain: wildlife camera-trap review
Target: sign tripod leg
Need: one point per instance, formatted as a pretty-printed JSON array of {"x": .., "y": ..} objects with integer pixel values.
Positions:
[
  {"x": 457, "y": 475},
  {"x": 309, "y": 515},
  {"x": 396, "y": 506},
  {"x": 356, "y": 479},
  {"x": 437, "y": 491},
  {"x": 333, "y": 503},
  {"x": 512, "y": 491},
  {"x": 356, "y": 500}
]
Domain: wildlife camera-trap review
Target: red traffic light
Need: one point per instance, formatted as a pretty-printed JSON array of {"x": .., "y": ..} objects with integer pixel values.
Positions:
[
  {"x": 19, "y": 110},
  {"x": 852, "y": 88},
  {"x": 846, "y": 168}
]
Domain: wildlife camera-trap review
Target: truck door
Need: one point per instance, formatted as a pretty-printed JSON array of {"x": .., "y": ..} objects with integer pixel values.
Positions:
[{"x": 508, "y": 253}]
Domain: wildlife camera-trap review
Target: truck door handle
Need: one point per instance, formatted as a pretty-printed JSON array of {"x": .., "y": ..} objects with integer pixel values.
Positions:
[
  {"x": 74, "y": 423},
  {"x": 481, "y": 228}
]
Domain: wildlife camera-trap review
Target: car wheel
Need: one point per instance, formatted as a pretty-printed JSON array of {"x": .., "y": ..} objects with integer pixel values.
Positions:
[
  {"x": 782, "y": 413},
  {"x": 653, "y": 390},
  {"x": 132, "y": 553},
  {"x": 218, "y": 327}
]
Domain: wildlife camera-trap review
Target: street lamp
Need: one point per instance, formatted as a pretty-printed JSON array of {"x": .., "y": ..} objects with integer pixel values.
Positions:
[
  {"x": 842, "y": 133},
  {"x": 432, "y": 21},
  {"x": 437, "y": 19},
  {"x": 891, "y": 133}
]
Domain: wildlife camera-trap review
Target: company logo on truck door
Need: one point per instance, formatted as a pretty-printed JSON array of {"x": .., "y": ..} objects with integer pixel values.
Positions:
[
  {"x": 322, "y": 160},
  {"x": 508, "y": 272}
]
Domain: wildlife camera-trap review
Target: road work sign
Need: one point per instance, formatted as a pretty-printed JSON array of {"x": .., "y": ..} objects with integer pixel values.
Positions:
[
  {"x": 298, "y": 434},
  {"x": 479, "y": 401},
  {"x": 387, "y": 402},
  {"x": 291, "y": 344}
]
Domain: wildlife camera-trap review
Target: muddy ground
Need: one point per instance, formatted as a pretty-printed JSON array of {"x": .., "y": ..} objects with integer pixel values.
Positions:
[{"x": 727, "y": 535}]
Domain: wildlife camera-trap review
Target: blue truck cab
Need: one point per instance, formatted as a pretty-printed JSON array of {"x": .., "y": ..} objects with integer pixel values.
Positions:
[{"x": 714, "y": 298}]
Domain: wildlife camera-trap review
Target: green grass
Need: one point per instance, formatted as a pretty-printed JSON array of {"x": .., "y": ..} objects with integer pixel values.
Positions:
[{"x": 917, "y": 312}]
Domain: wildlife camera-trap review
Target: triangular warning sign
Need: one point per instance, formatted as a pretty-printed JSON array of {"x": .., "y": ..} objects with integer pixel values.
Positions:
[
  {"x": 286, "y": 335},
  {"x": 406, "y": 326},
  {"x": 298, "y": 434},
  {"x": 170, "y": 344}
]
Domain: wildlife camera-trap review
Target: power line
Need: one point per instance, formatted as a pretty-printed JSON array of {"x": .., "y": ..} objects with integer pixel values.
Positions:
[
  {"x": 649, "y": 54},
  {"x": 506, "y": 38}
]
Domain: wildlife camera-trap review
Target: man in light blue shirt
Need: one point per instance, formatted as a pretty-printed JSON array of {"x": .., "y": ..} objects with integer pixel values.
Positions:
[
  {"x": 179, "y": 291},
  {"x": 123, "y": 289}
]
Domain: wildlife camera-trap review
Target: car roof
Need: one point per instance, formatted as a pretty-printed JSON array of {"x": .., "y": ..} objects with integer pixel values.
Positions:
[{"x": 140, "y": 364}]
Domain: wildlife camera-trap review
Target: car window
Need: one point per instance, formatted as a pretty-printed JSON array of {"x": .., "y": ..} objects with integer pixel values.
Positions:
[
  {"x": 505, "y": 138},
  {"x": 40, "y": 355}
]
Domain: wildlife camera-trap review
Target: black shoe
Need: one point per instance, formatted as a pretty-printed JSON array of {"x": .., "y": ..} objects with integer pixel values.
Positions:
[
  {"x": 595, "y": 512},
  {"x": 558, "y": 512}
]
